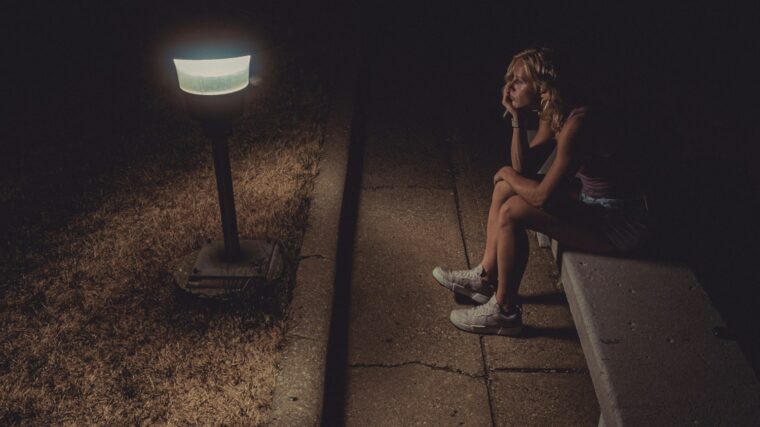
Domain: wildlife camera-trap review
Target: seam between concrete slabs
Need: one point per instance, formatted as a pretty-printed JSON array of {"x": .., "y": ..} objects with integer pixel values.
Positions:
[
  {"x": 415, "y": 362},
  {"x": 299, "y": 388}
]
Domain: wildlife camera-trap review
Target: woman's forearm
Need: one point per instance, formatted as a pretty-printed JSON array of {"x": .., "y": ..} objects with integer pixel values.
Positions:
[
  {"x": 517, "y": 149},
  {"x": 524, "y": 187}
]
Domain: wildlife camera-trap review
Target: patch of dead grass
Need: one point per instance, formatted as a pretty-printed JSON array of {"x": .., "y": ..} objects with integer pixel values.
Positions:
[{"x": 93, "y": 329}]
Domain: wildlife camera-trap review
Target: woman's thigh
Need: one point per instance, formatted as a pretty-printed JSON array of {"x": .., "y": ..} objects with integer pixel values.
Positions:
[{"x": 571, "y": 223}]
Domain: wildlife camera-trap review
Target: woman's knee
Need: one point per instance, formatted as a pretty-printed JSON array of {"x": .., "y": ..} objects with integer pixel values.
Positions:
[
  {"x": 516, "y": 211},
  {"x": 501, "y": 192},
  {"x": 508, "y": 212}
]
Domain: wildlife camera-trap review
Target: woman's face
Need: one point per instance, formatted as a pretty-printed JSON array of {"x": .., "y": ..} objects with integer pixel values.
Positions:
[{"x": 522, "y": 90}]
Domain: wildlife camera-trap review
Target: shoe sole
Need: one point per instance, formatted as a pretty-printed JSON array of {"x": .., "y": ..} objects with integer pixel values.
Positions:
[
  {"x": 510, "y": 331},
  {"x": 461, "y": 290}
]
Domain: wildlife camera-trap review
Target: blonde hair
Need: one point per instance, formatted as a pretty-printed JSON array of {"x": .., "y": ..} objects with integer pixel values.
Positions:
[{"x": 539, "y": 66}]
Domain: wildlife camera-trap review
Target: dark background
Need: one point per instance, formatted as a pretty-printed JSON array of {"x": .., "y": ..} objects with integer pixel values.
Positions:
[{"x": 682, "y": 75}]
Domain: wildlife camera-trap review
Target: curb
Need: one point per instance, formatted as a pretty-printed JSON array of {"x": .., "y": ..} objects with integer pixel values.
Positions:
[{"x": 299, "y": 389}]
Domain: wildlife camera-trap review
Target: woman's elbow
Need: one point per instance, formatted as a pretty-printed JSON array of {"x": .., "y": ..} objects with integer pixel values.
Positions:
[{"x": 538, "y": 199}]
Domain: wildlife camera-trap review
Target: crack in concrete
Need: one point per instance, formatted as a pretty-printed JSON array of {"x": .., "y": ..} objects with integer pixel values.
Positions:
[
  {"x": 542, "y": 370},
  {"x": 420, "y": 363},
  {"x": 487, "y": 379},
  {"x": 404, "y": 187}
]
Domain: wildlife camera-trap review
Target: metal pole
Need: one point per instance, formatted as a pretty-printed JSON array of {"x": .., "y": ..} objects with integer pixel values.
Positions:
[{"x": 226, "y": 197}]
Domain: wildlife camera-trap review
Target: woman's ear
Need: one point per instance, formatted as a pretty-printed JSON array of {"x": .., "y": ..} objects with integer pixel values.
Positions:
[
  {"x": 543, "y": 94},
  {"x": 541, "y": 89}
]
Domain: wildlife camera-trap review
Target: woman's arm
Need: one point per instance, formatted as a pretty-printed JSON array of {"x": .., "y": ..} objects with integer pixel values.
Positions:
[
  {"x": 519, "y": 134},
  {"x": 537, "y": 193},
  {"x": 520, "y": 125},
  {"x": 517, "y": 148}
]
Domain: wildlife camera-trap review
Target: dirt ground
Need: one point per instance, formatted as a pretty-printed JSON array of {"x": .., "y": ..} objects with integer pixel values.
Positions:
[{"x": 108, "y": 189}]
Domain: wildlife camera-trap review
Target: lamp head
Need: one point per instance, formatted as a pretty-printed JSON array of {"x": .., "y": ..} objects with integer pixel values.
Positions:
[
  {"x": 210, "y": 77},
  {"x": 213, "y": 71}
]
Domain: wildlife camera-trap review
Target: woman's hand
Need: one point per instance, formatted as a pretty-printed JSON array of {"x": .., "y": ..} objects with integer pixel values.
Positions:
[
  {"x": 503, "y": 174},
  {"x": 507, "y": 102}
]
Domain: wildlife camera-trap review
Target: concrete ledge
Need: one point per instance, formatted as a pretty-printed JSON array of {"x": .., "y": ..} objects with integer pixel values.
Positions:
[
  {"x": 646, "y": 329},
  {"x": 299, "y": 390}
]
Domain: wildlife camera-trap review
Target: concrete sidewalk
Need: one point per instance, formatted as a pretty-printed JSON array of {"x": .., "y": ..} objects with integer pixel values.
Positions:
[{"x": 425, "y": 192}]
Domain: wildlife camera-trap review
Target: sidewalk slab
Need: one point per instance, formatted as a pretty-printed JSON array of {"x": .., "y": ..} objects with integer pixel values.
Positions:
[
  {"x": 396, "y": 158},
  {"x": 313, "y": 300},
  {"x": 415, "y": 395},
  {"x": 541, "y": 399},
  {"x": 399, "y": 313}
]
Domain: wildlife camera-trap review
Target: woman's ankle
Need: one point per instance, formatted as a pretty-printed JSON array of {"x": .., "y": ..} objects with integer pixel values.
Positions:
[{"x": 487, "y": 276}]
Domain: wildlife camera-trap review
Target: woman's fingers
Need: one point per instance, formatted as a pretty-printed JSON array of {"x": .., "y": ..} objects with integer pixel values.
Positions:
[{"x": 506, "y": 101}]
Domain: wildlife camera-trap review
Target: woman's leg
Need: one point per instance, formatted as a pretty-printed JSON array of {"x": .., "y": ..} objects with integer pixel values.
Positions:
[
  {"x": 470, "y": 282},
  {"x": 501, "y": 192},
  {"x": 515, "y": 215},
  {"x": 512, "y": 252}
]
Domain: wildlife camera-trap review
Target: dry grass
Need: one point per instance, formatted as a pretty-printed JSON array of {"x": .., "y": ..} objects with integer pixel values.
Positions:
[{"x": 93, "y": 329}]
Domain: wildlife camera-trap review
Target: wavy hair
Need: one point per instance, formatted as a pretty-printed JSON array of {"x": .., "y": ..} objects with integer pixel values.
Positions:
[{"x": 540, "y": 67}]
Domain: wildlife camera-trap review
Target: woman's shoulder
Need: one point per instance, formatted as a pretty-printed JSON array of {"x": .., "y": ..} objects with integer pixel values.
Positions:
[
  {"x": 600, "y": 128},
  {"x": 575, "y": 119},
  {"x": 578, "y": 111},
  {"x": 593, "y": 117}
]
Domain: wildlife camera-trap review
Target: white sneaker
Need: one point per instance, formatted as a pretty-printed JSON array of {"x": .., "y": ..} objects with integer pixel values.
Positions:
[
  {"x": 488, "y": 319},
  {"x": 465, "y": 282}
]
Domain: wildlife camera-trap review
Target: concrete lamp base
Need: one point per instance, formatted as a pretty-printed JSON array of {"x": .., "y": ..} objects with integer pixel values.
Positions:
[{"x": 208, "y": 272}]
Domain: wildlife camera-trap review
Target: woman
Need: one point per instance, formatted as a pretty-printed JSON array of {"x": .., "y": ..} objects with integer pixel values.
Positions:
[{"x": 607, "y": 217}]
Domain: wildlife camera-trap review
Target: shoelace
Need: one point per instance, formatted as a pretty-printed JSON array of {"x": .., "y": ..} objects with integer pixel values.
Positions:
[
  {"x": 465, "y": 274},
  {"x": 489, "y": 308},
  {"x": 484, "y": 309}
]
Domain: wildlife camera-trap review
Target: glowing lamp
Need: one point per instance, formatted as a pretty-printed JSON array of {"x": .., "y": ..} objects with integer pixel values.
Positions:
[{"x": 214, "y": 84}]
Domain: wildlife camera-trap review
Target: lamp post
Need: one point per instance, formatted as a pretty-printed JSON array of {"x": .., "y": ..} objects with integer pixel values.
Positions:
[{"x": 214, "y": 83}]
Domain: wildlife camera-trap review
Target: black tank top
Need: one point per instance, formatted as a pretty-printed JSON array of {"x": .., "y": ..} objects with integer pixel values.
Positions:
[{"x": 604, "y": 169}]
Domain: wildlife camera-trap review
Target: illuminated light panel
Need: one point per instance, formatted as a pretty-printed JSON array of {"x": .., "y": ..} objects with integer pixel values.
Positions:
[{"x": 213, "y": 76}]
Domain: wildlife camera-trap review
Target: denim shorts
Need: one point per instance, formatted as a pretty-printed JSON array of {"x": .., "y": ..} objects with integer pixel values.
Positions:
[{"x": 625, "y": 222}]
